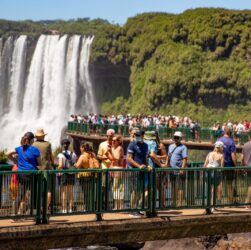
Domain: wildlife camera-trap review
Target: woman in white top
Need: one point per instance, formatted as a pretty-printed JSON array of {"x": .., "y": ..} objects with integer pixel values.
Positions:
[{"x": 215, "y": 159}]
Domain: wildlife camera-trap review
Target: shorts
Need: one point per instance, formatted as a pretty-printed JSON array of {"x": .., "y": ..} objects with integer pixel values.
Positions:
[{"x": 66, "y": 179}]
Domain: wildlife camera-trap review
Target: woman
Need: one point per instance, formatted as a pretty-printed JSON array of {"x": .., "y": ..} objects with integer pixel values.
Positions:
[
  {"x": 66, "y": 160},
  {"x": 215, "y": 159},
  {"x": 28, "y": 159},
  {"x": 87, "y": 160},
  {"x": 116, "y": 156}
]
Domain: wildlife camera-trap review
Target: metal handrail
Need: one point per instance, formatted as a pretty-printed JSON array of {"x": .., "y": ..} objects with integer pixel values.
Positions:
[
  {"x": 198, "y": 135},
  {"x": 98, "y": 191}
]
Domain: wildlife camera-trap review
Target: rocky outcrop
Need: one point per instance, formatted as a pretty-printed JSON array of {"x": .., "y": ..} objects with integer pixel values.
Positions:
[{"x": 109, "y": 80}]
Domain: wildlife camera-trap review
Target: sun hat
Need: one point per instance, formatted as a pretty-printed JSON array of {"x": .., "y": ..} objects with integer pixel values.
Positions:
[
  {"x": 40, "y": 133},
  {"x": 150, "y": 135},
  {"x": 110, "y": 132},
  {"x": 178, "y": 134},
  {"x": 219, "y": 144}
]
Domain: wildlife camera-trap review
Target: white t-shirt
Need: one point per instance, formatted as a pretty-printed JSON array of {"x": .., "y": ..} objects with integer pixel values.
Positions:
[{"x": 62, "y": 157}]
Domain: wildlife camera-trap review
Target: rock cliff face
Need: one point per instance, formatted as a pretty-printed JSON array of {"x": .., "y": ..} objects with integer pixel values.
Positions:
[{"x": 109, "y": 80}]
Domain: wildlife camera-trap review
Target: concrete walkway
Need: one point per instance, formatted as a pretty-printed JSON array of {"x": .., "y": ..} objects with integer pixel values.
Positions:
[{"x": 119, "y": 216}]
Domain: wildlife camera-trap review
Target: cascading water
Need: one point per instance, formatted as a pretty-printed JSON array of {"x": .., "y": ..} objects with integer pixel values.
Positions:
[{"x": 56, "y": 85}]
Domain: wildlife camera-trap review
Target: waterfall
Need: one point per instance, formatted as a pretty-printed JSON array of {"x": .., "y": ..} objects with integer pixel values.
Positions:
[{"x": 44, "y": 92}]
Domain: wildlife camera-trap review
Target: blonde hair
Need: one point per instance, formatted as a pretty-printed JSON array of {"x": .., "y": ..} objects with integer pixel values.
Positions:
[{"x": 118, "y": 138}]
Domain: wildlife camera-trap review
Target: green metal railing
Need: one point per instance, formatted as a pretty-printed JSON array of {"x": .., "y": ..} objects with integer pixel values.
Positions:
[
  {"x": 40, "y": 194},
  {"x": 202, "y": 134}
]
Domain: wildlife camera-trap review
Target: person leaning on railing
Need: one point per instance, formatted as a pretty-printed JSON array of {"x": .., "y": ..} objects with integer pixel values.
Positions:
[
  {"x": 137, "y": 153},
  {"x": 215, "y": 159},
  {"x": 87, "y": 160},
  {"x": 246, "y": 161},
  {"x": 28, "y": 159},
  {"x": 66, "y": 161},
  {"x": 177, "y": 159},
  {"x": 47, "y": 160},
  {"x": 230, "y": 160}
]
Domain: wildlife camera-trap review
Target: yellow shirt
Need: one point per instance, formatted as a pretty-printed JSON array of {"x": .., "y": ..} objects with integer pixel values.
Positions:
[{"x": 101, "y": 152}]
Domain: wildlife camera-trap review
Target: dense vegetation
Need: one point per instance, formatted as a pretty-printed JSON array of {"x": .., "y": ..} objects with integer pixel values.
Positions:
[{"x": 196, "y": 63}]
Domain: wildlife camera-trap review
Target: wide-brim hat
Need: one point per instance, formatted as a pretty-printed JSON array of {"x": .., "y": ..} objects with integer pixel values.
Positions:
[
  {"x": 150, "y": 135},
  {"x": 40, "y": 133}
]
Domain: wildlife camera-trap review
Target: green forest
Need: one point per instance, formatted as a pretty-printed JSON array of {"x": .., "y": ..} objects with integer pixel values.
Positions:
[{"x": 195, "y": 64}]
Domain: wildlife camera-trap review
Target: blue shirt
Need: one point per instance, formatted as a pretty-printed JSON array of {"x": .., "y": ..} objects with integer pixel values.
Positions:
[
  {"x": 229, "y": 148},
  {"x": 139, "y": 152},
  {"x": 27, "y": 160},
  {"x": 177, "y": 156},
  {"x": 152, "y": 147}
]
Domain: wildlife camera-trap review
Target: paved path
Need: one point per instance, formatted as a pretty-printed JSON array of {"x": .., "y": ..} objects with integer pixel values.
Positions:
[{"x": 118, "y": 216}]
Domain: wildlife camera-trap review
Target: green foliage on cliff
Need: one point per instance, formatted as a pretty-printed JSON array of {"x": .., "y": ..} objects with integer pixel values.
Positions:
[{"x": 196, "y": 63}]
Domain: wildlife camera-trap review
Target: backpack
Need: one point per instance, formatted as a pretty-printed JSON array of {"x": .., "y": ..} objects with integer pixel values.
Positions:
[{"x": 69, "y": 162}]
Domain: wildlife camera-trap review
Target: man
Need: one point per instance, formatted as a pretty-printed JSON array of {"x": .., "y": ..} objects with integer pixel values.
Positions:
[
  {"x": 46, "y": 156},
  {"x": 246, "y": 161},
  {"x": 104, "y": 148},
  {"x": 103, "y": 156},
  {"x": 177, "y": 159},
  {"x": 230, "y": 160},
  {"x": 137, "y": 153},
  {"x": 45, "y": 149}
]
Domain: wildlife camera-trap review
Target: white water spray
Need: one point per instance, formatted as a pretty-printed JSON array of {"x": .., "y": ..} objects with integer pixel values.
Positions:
[{"x": 56, "y": 84}]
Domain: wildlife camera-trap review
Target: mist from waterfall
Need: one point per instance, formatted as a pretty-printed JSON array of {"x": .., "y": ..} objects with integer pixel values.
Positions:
[{"x": 44, "y": 92}]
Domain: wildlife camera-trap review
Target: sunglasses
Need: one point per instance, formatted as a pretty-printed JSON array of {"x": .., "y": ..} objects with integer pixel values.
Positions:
[{"x": 176, "y": 137}]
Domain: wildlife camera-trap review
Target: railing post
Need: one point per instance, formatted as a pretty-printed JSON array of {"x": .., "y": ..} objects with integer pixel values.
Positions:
[
  {"x": 45, "y": 196},
  {"x": 209, "y": 197},
  {"x": 100, "y": 194},
  {"x": 39, "y": 192},
  {"x": 152, "y": 193}
]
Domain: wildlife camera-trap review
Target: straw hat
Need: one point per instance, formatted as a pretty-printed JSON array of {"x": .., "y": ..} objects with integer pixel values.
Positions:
[{"x": 40, "y": 133}]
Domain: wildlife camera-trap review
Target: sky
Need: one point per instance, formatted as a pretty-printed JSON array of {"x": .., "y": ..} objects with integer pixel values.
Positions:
[{"x": 115, "y": 11}]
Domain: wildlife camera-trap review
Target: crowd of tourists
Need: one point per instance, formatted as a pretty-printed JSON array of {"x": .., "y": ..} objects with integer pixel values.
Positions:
[
  {"x": 139, "y": 120},
  {"x": 145, "y": 151}
]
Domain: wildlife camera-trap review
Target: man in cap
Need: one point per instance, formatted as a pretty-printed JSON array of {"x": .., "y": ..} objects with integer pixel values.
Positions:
[
  {"x": 46, "y": 156},
  {"x": 177, "y": 159}
]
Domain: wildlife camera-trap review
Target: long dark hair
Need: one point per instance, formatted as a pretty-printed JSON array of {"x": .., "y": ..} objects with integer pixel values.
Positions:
[{"x": 26, "y": 139}]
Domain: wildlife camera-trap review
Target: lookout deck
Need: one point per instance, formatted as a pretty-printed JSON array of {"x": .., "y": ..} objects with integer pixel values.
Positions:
[{"x": 82, "y": 230}]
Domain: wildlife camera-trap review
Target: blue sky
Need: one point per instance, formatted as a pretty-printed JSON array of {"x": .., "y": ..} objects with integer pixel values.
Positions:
[{"x": 116, "y": 11}]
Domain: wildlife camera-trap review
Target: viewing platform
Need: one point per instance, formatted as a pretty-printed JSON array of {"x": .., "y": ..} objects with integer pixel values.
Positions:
[
  {"x": 204, "y": 138},
  {"x": 119, "y": 228}
]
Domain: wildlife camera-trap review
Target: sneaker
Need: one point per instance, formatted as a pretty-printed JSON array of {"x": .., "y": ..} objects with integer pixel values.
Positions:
[
  {"x": 70, "y": 211},
  {"x": 135, "y": 214},
  {"x": 63, "y": 211},
  {"x": 142, "y": 213}
]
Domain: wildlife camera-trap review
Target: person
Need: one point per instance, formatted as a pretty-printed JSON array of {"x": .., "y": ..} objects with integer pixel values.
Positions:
[
  {"x": 154, "y": 159},
  {"x": 44, "y": 148},
  {"x": 177, "y": 159},
  {"x": 246, "y": 161},
  {"x": 215, "y": 159},
  {"x": 103, "y": 156},
  {"x": 116, "y": 156},
  {"x": 103, "y": 149},
  {"x": 87, "y": 160},
  {"x": 230, "y": 160},
  {"x": 137, "y": 153},
  {"x": 66, "y": 160},
  {"x": 28, "y": 159}
]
